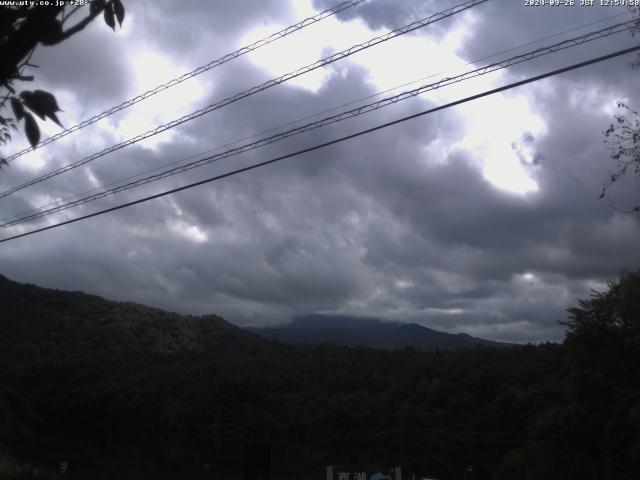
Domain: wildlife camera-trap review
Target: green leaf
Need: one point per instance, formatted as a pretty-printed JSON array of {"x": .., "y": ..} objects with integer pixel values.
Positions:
[
  {"x": 118, "y": 9},
  {"x": 42, "y": 104},
  {"x": 48, "y": 99},
  {"x": 53, "y": 117},
  {"x": 108, "y": 16},
  {"x": 18, "y": 109},
  {"x": 96, "y": 6},
  {"x": 32, "y": 103},
  {"x": 31, "y": 129}
]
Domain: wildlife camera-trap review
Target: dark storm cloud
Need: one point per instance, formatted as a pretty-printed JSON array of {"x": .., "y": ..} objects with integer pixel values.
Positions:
[
  {"x": 564, "y": 228},
  {"x": 91, "y": 64},
  {"x": 388, "y": 225},
  {"x": 205, "y": 30},
  {"x": 390, "y": 14},
  {"x": 501, "y": 25}
]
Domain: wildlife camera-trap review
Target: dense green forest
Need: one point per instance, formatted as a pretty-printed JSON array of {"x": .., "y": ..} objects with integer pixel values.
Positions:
[
  {"x": 38, "y": 322},
  {"x": 562, "y": 411}
]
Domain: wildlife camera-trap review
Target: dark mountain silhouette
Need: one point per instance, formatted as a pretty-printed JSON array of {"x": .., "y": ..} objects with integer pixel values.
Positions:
[
  {"x": 38, "y": 322},
  {"x": 368, "y": 332}
]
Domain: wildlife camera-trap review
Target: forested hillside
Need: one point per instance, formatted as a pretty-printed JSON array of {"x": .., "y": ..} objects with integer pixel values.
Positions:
[
  {"x": 549, "y": 411},
  {"x": 38, "y": 322}
]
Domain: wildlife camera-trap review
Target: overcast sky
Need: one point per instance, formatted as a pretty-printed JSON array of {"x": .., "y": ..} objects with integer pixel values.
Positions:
[{"x": 482, "y": 218}]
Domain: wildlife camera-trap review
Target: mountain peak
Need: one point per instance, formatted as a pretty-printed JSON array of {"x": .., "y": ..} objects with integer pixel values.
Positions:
[
  {"x": 368, "y": 332},
  {"x": 337, "y": 322}
]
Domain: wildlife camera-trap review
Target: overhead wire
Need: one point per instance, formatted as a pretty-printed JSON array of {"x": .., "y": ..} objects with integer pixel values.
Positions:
[
  {"x": 307, "y": 117},
  {"x": 60, "y": 201},
  {"x": 193, "y": 73},
  {"x": 183, "y": 160},
  {"x": 569, "y": 43},
  {"x": 333, "y": 142},
  {"x": 239, "y": 96}
]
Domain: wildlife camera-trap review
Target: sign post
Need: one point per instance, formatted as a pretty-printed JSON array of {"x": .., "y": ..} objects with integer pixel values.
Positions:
[{"x": 351, "y": 472}]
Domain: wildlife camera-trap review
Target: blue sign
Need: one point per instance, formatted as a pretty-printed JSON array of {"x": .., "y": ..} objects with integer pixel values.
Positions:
[{"x": 338, "y": 472}]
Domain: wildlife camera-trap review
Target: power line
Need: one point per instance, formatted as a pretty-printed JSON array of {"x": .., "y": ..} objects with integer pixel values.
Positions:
[
  {"x": 333, "y": 142},
  {"x": 293, "y": 122},
  {"x": 271, "y": 83},
  {"x": 62, "y": 201},
  {"x": 336, "y": 118},
  {"x": 204, "y": 68},
  {"x": 569, "y": 43}
]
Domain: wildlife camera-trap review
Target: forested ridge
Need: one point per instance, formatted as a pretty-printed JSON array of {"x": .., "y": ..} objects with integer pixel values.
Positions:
[
  {"x": 38, "y": 322},
  {"x": 562, "y": 411}
]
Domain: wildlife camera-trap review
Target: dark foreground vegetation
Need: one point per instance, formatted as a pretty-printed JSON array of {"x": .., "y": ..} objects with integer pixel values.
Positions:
[{"x": 553, "y": 411}]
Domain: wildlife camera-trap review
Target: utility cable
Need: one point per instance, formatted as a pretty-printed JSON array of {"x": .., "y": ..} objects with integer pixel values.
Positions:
[
  {"x": 569, "y": 43},
  {"x": 204, "y": 68},
  {"x": 299, "y": 120},
  {"x": 271, "y": 83},
  {"x": 332, "y": 142},
  {"x": 61, "y": 201}
]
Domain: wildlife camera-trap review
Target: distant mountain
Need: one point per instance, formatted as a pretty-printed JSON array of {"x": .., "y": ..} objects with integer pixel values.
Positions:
[
  {"x": 368, "y": 332},
  {"x": 38, "y": 322}
]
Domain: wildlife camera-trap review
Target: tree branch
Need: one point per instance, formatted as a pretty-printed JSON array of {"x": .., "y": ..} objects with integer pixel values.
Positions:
[{"x": 83, "y": 23}]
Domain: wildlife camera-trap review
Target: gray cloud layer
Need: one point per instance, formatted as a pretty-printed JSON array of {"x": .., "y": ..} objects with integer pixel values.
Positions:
[{"x": 386, "y": 225}]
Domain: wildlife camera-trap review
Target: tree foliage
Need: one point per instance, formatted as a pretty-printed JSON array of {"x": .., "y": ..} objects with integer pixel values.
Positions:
[
  {"x": 37, "y": 322},
  {"x": 623, "y": 137},
  {"x": 614, "y": 313},
  {"x": 605, "y": 329},
  {"x": 561, "y": 411},
  {"x": 23, "y": 27}
]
